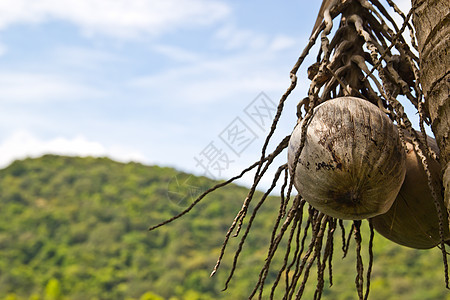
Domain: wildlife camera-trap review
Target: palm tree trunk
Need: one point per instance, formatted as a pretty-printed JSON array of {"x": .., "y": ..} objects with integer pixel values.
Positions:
[{"x": 432, "y": 25}]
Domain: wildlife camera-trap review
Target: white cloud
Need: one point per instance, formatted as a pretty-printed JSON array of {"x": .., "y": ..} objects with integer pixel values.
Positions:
[
  {"x": 177, "y": 54},
  {"x": 253, "y": 62},
  {"x": 28, "y": 87},
  {"x": 22, "y": 144},
  {"x": 282, "y": 42},
  {"x": 84, "y": 57},
  {"x": 3, "y": 49},
  {"x": 231, "y": 37},
  {"x": 118, "y": 18},
  {"x": 214, "y": 80}
]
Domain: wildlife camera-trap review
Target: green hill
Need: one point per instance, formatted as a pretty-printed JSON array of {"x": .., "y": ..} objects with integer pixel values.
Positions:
[{"x": 76, "y": 228}]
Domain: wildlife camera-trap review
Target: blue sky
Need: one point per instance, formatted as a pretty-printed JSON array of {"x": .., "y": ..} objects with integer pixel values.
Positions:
[{"x": 159, "y": 82}]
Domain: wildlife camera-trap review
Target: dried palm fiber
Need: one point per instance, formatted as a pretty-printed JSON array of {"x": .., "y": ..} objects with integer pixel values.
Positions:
[
  {"x": 367, "y": 58},
  {"x": 352, "y": 164},
  {"x": 412, "y": 220}
]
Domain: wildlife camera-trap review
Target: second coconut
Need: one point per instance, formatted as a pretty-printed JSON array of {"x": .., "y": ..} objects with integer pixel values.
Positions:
[{"x": 352, "y": 164}]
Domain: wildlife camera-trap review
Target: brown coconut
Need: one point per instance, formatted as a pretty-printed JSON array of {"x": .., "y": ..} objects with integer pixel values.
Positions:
[
  {"x": 412, "y": 220},
  {"x": 353, "y": 164}
]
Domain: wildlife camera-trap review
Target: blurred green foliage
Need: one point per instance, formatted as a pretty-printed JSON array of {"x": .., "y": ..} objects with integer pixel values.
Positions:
[{"x": 76, "y": 228}]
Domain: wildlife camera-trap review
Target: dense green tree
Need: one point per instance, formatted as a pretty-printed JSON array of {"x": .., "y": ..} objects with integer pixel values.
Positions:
[
  {"x": 58, "y": 239},
  {"x": 53, "y": 290},
  {"x": 150, "y": 296}
]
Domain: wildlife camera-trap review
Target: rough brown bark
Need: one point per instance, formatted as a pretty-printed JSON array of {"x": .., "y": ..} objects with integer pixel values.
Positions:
[{"x": 431, "y": 22}]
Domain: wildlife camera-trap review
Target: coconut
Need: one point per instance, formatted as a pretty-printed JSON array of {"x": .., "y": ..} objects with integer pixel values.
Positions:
[
  {"x": 413, "y": 220},
  {"x": 353, "y": 164}
]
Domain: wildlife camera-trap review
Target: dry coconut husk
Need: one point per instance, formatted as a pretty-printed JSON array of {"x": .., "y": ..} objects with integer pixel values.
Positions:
[
  {"x": 353, "y": 164},
  {"x": 413, "y": 220}
]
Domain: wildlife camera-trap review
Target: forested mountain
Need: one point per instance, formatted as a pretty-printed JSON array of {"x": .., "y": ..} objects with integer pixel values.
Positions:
[{"x": 77, "y": 228}]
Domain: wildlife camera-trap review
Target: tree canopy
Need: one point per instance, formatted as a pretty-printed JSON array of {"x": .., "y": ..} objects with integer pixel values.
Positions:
[{"x": 77, "y": 228}]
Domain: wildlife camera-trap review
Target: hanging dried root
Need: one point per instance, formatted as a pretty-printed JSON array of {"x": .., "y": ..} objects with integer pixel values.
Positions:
[
  {"x": 359, "y": 280},
  {"x": 269, "y": 159},
  {"x": 369, "y": 269},
  {"x": 363, "y": 27}
]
